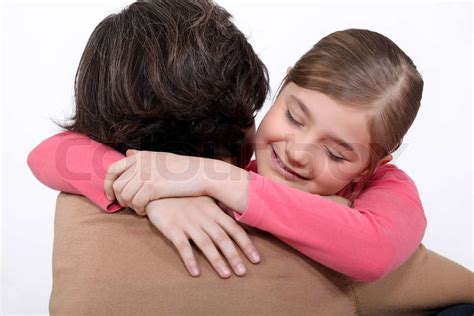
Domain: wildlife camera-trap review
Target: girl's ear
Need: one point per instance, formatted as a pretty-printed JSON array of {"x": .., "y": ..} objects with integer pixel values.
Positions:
[{"x": 385, "y": 160}]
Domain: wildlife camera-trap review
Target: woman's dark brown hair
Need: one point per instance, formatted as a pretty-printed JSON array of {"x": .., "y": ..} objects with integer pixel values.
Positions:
[
  {"x": 167, "y": 75},
  {"x": 365, "y": 70}
]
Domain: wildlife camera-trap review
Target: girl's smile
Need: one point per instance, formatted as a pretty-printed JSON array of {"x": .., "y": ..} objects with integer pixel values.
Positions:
[{"x": 283, "y": 169}]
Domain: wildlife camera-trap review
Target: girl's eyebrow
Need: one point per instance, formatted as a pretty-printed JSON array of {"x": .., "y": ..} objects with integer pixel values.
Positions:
[
  {"x": 342, "y": 143},
  {"x": 305, "y": 110}
]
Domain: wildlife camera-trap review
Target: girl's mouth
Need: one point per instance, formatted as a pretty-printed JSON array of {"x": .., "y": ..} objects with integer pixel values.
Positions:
[{"x": 284, "y": 170}]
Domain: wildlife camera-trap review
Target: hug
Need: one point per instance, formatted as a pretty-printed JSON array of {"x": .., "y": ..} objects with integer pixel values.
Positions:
[{"x": 320, "y": 222}]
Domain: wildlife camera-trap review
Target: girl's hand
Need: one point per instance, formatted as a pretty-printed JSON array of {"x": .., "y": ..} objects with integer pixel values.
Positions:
[
  {"x": 202, "y": 221},
  {"x": 144, "y": 176}
]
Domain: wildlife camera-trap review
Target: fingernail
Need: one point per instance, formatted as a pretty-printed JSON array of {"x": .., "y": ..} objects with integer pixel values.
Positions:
[
  {"x": 255, "y": 256},
  {"x": 225, "y": 272},
  {"x": 194, "y": 271},
  {"x": 240, "y": 269}
]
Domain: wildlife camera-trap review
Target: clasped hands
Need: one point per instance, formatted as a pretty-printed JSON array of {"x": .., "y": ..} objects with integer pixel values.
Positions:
[{"x": 171, "y": 190}]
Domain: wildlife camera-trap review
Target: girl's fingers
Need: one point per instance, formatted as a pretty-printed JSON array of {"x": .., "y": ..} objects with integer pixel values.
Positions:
[
  {"x": 185, "y": 250},
  {"x": 130, "y": 190},
  {"x": 114, "y": 171},
  {"x": 141, "y": 198},
  {"x": 239, "y": 235},
  {"x": 119, "y": 185},
  {"x": 226, "y": 246},
  {"x": 202, "y": 240}
]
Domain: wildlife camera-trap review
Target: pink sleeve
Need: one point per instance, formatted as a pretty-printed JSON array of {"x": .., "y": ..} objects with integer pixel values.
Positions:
[
  {"x": 366, "y": 242},
  {"x": 74, "y": 163}
]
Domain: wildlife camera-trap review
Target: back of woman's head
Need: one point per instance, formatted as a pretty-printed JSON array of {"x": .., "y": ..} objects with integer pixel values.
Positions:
[
  {"x": 169, "y": 75},
  {"x": 367, "y": 71}
]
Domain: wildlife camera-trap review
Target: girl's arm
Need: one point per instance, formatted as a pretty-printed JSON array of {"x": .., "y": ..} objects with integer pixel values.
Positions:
[
  {"x": 365, "y": 242},
  {"x": 74, "y": 163}
]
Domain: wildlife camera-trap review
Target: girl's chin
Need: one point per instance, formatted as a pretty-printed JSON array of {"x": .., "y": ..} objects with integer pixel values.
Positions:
[
  {"x": 274, "y": 176},
  {"x": 279, "y": 179}
]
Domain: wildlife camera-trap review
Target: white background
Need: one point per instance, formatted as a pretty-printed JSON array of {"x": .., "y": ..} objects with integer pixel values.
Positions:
[{"x": 41, "y": 47}]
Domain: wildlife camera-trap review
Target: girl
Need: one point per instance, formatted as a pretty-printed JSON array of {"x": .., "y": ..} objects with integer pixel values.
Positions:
[{"x": 340, "y": 113}]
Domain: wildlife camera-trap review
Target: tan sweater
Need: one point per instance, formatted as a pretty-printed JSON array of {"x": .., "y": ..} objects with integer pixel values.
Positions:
[{"x": 119, "y": 264}]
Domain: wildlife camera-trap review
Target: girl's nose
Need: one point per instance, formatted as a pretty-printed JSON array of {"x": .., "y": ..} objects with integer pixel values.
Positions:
[{"x": 300, "y": 154}]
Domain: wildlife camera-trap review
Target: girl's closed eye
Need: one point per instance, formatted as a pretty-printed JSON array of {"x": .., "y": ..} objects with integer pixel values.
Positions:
[
  {"x": 334, "y": 157},
  {"x": 330, "y": 154},
  {"x": 292, "y": 119}
]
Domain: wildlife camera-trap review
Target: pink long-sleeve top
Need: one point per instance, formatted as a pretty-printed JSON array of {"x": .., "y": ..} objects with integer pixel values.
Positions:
[{"x": 365, "y": 242}]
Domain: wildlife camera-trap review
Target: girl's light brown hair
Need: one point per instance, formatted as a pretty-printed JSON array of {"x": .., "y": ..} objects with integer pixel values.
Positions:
[{"x": 365, "y": 70}]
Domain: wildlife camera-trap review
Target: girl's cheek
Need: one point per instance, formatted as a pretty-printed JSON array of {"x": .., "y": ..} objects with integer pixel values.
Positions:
[
  {"x": 332, "y": 180},
  {"x": 263, "y": 127},
  {"x": 270, "y": 132},
  {"x": 343, "y": 171}
]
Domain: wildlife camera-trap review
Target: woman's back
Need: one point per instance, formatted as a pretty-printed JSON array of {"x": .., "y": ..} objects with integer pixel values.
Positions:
[{"x": 120, "y": 264}]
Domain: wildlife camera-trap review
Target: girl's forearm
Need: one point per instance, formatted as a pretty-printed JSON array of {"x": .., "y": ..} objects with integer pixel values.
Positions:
[
  {"x": 337, "y": 199},
  {"x": 226, "y": 183},
  {"x": 229, "y": 185},
  {"x": 74, "y": 163}
]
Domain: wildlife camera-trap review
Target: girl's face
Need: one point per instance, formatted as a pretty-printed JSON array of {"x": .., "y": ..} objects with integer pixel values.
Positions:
[{"x": 311, "y": 142}]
